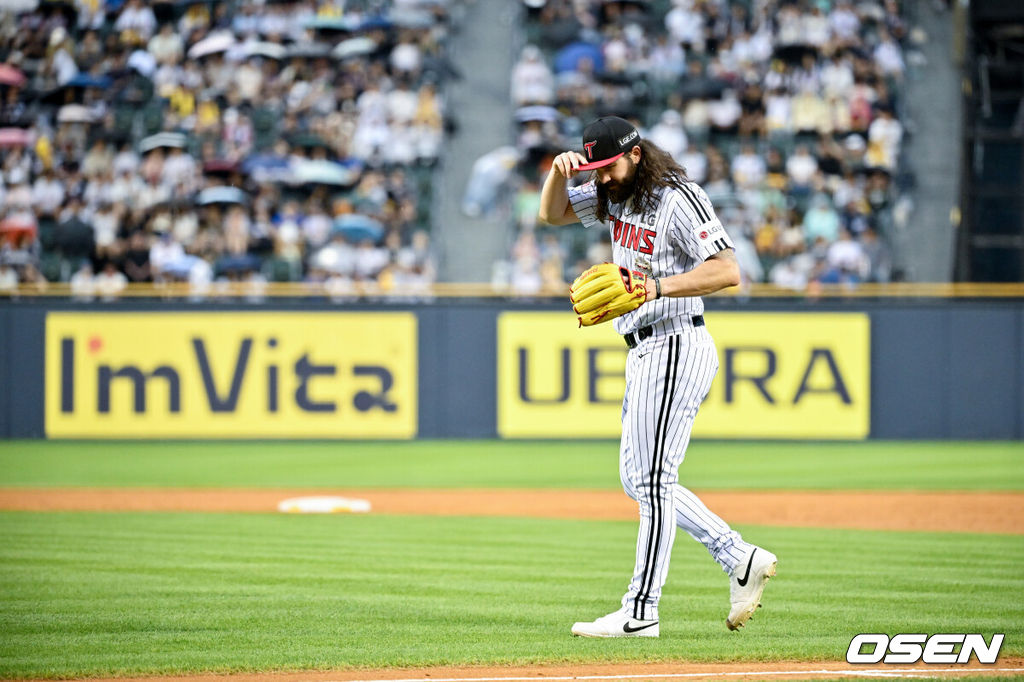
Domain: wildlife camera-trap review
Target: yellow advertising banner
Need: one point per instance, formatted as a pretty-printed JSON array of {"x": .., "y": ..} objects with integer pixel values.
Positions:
[
  {"x": 781, "y": 375},
  {"x": 228, "y": 375}
]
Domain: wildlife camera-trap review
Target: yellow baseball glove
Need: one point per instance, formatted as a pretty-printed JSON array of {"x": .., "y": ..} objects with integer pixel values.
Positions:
[{"x": 606, "y": 291}]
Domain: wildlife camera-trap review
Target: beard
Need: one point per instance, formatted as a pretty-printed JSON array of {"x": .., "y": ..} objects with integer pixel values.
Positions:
[{"x": 618, "y": 192}]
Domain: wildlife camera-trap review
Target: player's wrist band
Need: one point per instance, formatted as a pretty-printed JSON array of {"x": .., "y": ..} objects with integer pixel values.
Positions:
[{"x": 657, "y": 288}]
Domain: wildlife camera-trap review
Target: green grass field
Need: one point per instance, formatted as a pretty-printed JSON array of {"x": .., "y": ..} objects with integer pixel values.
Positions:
[
  {"x": 87, "y": 594},
  {"x": 510, "y": 464}
]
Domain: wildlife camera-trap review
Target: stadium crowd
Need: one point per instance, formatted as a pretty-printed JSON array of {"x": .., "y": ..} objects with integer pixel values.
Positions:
[
  {"x": 212, "y": 141},
  {"x": 786, "y": 111}
]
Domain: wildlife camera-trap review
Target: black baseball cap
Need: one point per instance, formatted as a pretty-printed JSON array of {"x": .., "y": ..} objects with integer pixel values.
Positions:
[{"x": 606, "y": 140}]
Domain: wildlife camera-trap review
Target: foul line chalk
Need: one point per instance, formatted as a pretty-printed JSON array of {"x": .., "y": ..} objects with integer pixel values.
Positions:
[{"x": 923, "y": 672}]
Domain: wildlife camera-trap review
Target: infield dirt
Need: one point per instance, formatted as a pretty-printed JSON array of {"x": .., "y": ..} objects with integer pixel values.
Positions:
[
  {"x": 930, "y": 511},
  {"x": 619, "y": 672}
]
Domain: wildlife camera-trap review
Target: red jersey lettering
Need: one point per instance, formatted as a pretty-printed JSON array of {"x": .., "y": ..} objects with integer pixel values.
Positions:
[
  {"x": 634, "y": 238},
  {"x": 648, "y": 245}
]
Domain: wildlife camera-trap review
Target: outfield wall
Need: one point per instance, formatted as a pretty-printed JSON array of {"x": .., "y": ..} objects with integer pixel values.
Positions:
[{"x": 922, "y": 369}]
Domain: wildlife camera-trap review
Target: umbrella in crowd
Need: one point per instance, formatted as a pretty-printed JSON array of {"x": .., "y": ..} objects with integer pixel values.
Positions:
[
  {"x": 177, "y": 140},
  {"x": 170, "y": 5},
  {"x": 357, "y": 228},
  {"x": 309, "y": 50},
  {"x": 74, "y": 113},
  {"x": 570, "y": 56},
  {"x": 16, "y": 7},
  {"x": 305, "y": 172},
  {"x": 262, "y": 48},
  {"x": 18, "y": 222},
  {"x": 266, "y": 167},
  {"x": 332, "y": 23},
  {"x": 173, "y": 204},
  {"x": 85, "y": 80},
  {"x": 220, "y": 167},
  {"x": 13, "y": 137},
  {"x": 18, "y": 225},
  {"x": 222, "y": 195},
  {"x": 374, "y": 23},
  {"x": 188, "y": 3},
  {"x": 221, "y": 41},
  {"x": 10, "y": 75},
  {"x": 793, "y": 54},
  {"x": 181, "y": 267},
  {"x": 411, "y": 18},
  {"x": 537, "y": 112},
  {"x": 354, "y": 47},
  {"x": 143, "y": 62},
  {"x": 307, "y": 140},
  {"x": 245, "y": 262}
]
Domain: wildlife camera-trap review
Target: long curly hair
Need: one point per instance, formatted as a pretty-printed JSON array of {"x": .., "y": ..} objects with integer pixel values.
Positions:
[{"x": 655, "y": 170}]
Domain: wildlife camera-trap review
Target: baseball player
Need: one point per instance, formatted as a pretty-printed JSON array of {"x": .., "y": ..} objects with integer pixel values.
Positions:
[{"x": 669, "y": 249}]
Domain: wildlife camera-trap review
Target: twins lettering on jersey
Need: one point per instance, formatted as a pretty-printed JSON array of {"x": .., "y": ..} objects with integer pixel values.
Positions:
[{"x": 633, "y": 237}]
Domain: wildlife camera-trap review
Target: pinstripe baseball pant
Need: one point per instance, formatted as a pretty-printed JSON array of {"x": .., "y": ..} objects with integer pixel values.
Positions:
[{"x": 667, "y": 378}]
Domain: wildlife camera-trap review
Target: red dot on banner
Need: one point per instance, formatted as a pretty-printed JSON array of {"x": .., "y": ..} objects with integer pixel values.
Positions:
[
  {"x": 95, "y": 343},
  {"x": 703, "y": 235}
]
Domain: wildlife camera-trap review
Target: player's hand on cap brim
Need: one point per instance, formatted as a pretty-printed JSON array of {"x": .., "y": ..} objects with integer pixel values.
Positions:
[{"x": 568, "y": 163}]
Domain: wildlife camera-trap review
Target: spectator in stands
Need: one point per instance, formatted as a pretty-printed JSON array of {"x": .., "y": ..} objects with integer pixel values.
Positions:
[
  {"x": 136, "y": 258},
  {"x": 8, "y": 278},
  {"x": 809, "y": 112},
  {"x": 48, "y": 194},
  {"x": 667, "y": 61},
  {"x": 748, "y": 168},
  {"x": 60, "y": 65},
  {"x": 136, "y": 23},
  {"x": 888, "y": 56},
  {"x": 775, "y": 170},
  {"x": 163, "y": 253},
  {"x": 110, "y": 282},
  {"x": 878, "y": 256},
  {"x": 887, "y": 133},
  {"x": 846, "y": 261},
  {"x": 75, "y": 239},
  {"x": 668, "y": 133},
  {"x": 844, "y": 23},
  {"x": 724, "y": 113},
  {"x": 752, "y": 118},
  {"x": 83, "y": 284},
  {"x": 695, "y": 163},
  {"x": 685, "y": 25},
  {"x": 801, "y": 168},
  {"x": 821, "y": 221}
]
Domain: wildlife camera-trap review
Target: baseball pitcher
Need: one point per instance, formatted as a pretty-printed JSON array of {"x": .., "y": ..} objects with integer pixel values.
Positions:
[{"x": 669, "y": 250}]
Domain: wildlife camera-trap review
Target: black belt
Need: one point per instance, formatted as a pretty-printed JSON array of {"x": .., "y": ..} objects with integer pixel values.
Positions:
[{"x": 633, "y": 339}]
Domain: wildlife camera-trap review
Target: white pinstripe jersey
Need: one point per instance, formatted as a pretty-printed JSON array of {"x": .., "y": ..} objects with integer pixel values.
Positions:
[{"x": 680, "y": 235}]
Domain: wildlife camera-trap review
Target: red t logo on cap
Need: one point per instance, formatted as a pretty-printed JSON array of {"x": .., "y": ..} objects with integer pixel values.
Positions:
[{"x": 589, "y": 146}]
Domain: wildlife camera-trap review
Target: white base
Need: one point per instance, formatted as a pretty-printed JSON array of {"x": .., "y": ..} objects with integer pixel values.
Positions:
[{"x": 323, "y": 505}]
